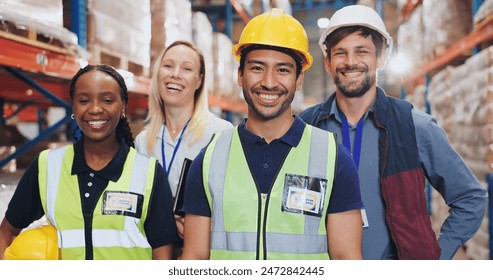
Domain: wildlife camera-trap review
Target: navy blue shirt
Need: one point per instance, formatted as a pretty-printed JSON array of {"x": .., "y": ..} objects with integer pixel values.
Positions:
[{"x": 265, "y": 159}]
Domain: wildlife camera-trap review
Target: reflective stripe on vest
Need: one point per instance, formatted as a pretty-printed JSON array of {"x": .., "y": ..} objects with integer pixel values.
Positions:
[
  {"x": 238, "y": 210},
  {"x": 62, "y": 204}
]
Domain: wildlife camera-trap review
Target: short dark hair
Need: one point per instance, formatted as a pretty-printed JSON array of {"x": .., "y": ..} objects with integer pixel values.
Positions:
[
  {"x": 337, "y": 35},
  {"x": 295, "y": 55}
]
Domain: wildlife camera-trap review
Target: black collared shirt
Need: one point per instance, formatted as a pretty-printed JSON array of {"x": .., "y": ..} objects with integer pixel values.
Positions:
[
  {"x": 92, "y": 183},
  {"x": 160, "y": 227}
]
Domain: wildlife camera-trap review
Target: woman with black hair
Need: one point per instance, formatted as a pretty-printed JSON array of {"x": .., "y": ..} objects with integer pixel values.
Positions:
[{"x": 105, "y": 200}]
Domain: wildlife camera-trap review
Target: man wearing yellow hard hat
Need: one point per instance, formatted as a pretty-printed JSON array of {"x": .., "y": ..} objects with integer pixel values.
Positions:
[{"x": 272, "y": 187}]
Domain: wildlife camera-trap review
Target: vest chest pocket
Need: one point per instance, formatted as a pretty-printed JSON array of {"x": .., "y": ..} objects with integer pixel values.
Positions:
[
  {"x": 122, "y": 203},
  {"x": 304, "y": 195}
]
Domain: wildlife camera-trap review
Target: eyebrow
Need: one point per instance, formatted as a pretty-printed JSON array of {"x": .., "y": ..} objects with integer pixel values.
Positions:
[{"x": 280, "y": 64}]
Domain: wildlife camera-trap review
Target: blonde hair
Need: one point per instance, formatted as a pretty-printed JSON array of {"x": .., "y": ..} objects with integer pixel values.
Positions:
[{"x": 155, "y": 117}]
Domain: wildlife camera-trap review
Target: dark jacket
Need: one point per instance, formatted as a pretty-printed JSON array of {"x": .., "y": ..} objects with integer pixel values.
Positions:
[{"x": 402, "y": 180}]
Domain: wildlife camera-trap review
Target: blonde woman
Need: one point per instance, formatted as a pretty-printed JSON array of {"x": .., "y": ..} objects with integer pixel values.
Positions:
[{"x": 179, "y": 122}]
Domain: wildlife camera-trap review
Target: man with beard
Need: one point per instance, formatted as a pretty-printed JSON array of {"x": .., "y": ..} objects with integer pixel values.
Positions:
[
  {"x": 395, "y": 147},
  {"x": 272, "y": 187}
]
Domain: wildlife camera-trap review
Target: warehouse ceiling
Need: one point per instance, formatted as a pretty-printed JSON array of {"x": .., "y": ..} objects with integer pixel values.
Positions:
[
  {"x": 218, "y": 9},
  {"x": 242, "y": 10}
]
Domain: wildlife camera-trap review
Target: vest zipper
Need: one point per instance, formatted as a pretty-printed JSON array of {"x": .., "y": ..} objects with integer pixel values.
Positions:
[
  {"x": 265, "y": 204},
  {"x": 262, "y": 253},
  {"x": 88, "y": 236}
]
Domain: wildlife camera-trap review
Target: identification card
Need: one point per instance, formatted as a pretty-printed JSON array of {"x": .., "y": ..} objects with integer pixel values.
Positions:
[
  {"x": 304, "y": 195},
  {"x": 122, "y": 203},
  {"x": 365, "y": 218}
]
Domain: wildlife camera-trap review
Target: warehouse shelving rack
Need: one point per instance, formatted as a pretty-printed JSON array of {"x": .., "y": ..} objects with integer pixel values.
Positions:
[
  {"x": 34, "y": 73},
  {"x": 469, "y": 44}
]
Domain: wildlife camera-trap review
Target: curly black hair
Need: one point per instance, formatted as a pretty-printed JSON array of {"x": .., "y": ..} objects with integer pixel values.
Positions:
[{"x": 123, "y": 131}]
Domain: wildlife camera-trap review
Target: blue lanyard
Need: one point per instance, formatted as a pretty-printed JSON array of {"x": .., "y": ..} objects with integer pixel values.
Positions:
[
  {"x": 357, "y": 140},
  {"x": 174, "y": 151}
]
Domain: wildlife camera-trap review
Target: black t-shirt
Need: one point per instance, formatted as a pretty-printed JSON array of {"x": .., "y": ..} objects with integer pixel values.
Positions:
[{"x": 160, "y": 227}]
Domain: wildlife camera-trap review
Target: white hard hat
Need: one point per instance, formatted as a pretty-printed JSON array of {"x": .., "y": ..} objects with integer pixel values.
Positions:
[{"x": 356, "y": 15}]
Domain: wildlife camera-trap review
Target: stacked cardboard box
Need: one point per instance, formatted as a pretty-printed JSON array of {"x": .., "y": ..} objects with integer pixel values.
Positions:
[
  {"x": 120, "y": 34},
  {"x": 464, "y": 107},
  {"x": 432, "y": 27},
  {"x": 202, "y": 31}
]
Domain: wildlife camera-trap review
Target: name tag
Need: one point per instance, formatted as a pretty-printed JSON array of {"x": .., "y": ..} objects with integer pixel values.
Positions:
[
  {"x": 122, "y": 203},
  {"x": 304, "y": 200},
  {"x": 304, "y": 195}
]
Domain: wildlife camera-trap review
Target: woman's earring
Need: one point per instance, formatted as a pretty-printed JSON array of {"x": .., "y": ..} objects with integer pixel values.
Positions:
[{"x": 72, "y": 116}]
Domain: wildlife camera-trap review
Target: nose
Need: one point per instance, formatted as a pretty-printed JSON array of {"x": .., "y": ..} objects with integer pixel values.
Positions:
[
  {"x": 269, "y": 80},
  {"x": 176, "y": 72},
  {"x": 95, "y": 108},
  {"x": 350, "y": 58}
]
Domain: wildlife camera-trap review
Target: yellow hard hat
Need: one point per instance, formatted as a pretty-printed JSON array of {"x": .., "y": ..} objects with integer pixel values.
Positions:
[
  {"x": 34, "y": 244},
  {"x": 275, "y": 29}
]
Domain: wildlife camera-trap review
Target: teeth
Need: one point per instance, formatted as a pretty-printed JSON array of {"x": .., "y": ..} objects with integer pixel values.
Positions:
[
  {"x": 174, "y": 87},
  {"x": 97, "y": 124},
  {"x": 269, "y": 96},
  {"x": 352, "y": 74}
]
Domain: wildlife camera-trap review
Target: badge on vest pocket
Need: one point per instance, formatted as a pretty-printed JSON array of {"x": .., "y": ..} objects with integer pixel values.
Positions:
[
  {"x": 122, "y": 203},
  {"x": 304, "y": 195}
]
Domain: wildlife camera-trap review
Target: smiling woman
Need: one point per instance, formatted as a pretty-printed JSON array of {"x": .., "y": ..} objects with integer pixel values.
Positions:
[
  {"x": 96, "y": 192},
  {"x": 179, "y": 123},
  {"x": 98, "y": 107}
]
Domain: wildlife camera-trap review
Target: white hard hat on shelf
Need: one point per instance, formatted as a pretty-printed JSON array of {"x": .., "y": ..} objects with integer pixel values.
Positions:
[{"x": 355, "y": 15}]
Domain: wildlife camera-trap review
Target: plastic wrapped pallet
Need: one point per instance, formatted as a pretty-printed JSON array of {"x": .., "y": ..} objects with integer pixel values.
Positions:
[
  {"x": 446, "y": 22},
  {"x": 440, "y": 98},
  {"x": 202, "y": 30},
  {"x": 417, "y": 98},
  {"x": 50, "y": 12},
  {"x": 225, "y": 67},
  {"x": 178, "y": 20},
  {"x": 120, "y": 34},
  {"x": 410, "y": 39},
  {"x": 171, "y": 21},
  {"x": 484, "y": 12},
  {"x": 401, "y": 4},
  {"x": 467, "y": 107},
  {"x": 44, "y": 17}
]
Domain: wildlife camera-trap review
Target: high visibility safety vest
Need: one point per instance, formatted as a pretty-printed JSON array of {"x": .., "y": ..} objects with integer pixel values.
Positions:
[
  {"x": 118, "y": 218},
  {"x": 246, "y": 224}
]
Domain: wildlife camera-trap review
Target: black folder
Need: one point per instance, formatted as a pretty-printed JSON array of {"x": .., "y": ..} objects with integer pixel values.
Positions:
[{"x": 180, "y": 190}]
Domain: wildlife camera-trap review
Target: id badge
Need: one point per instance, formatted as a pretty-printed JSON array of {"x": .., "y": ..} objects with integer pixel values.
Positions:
[
  {"x": 122, "y": 203},
  {"x": 304, "y": 195}
]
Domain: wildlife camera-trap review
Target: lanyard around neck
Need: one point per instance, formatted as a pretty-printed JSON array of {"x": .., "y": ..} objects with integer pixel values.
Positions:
[
  {"x": 356, "y": 152},
  {"x": 174, "y": 150}
]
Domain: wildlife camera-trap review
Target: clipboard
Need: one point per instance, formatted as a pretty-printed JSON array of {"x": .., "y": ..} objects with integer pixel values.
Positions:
[{"x": 180, "y": 190}]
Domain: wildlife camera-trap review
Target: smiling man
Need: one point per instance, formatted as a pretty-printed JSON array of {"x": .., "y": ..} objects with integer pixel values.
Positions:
[
  {"x": 272, "y": 187},
  {"x": 395, "y": 147}
]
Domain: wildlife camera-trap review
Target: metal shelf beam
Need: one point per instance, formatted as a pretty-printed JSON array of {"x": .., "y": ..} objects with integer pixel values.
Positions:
[{"x": 45, "y": 133}]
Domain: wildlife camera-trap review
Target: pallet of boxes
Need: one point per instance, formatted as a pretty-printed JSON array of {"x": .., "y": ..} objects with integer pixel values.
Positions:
[
  {"x": 460, "y": 95},
  {"x": 118, "y": 34}
]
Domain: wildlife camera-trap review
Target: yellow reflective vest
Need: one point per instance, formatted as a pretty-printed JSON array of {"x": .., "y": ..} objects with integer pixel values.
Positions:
[
  {"x": 246, "y": 224},
  {"x": 117, "y": 231}
]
